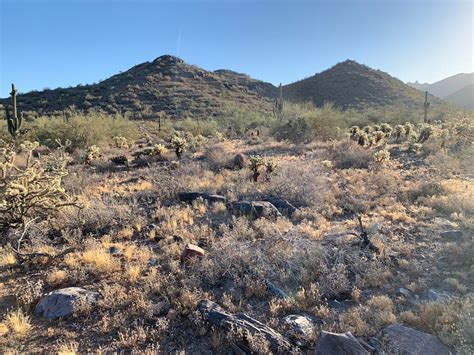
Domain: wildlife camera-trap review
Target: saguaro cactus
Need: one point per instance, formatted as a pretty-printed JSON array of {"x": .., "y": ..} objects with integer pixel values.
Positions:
[
  {"x": 13, "y": 120},
  {"x": 279, "y": 102},
  {"x": 426, "y": 105}
]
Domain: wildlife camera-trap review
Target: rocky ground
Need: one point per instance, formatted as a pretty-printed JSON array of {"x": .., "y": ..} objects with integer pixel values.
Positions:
[{"x": 328, "y": 251}]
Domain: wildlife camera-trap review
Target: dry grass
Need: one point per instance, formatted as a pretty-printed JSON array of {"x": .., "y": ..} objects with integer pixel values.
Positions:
[{"x": 19, "y": 323}]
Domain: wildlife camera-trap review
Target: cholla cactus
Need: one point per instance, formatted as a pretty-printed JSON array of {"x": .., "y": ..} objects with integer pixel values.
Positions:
[
  {"x": 425, "y": 132},
  {"x": 399, "y": 131},
  {"x": 327, "y": 164},
  {"x": 270, "y": 167},
  {"x": 409, "y": 128},
  {"x": 387, "y": 129},
  {"x": 363, "y": 139},
  {"x": 179, "y": 145},
  {"x": 414, "y": 147},
  {"x": 31, "y": 190},
  {"x": 367, "y": 129},
  {"x": 382, "y": 156},
  {"x": 91, "y": 154},
  {"x": 121, "y": 142},
  {"x": 196, "y": 142},
  {"x": 376, "y": 127},
  {"x": 354, "y": 132},
  {"x": 378, "y": 136},
  {"x": 159, "y": 149},
  {"x": 255, "y": 163}
]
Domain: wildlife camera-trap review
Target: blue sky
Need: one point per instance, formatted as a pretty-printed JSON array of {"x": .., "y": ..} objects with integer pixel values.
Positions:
[{"x": 46, "y": 43}]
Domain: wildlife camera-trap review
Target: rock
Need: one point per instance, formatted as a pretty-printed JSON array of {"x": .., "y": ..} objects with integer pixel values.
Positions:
[
  {"x": 192, "y": 251},
  {"x": 60, "y": 303},
  {"x": 435, "y": 296},
  {"x": 339, "y": 344},
  {"x": 243, "y": 324},
  {"x": 453, "y": 234},
  {"x": 172, "y": 315},
  {"x": 189, "y": 197},
  {"x": 255, "y": 209},
  {"x": 282, "y": 205},
  {"x": 444, "y": 223},
  {"x": 240, "y": 161},
  {"x": 404, "y": 292},
  {"x": 301, "y": 328},
  {"x": 115, "y": 251},
  {"x": 403, "y": 340}
]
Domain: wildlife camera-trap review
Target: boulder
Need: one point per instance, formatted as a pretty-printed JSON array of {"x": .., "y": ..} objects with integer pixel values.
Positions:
[
  {"x": 300, "y": 327},
  {"x": 435, "y": 296},
  {"x": 339, "y": 344},
  {"x": 285, "y": 208},
  {"x": 453, "y": 234},
  {"x": 404, "y": 340},
  {"x": 192, "y": 251},
  {"x": 189, "y": 197},
  {"x": 255, "y": 209},
  {"x": 60, "y": 303}
]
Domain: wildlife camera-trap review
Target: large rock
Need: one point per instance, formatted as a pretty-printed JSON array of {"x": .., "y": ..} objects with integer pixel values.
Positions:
[
  {"x": 255, "y": 209},
  {"x": 453, "y": 234},
  {"x": 339, "y": 344},
  {"x": 282, "y": 205},
  {"x": 407, "y": 341},
  {"x": 61, "y": 303},
  {"x": 189, "y": 197},
  {"x": 300, "y": 327}
]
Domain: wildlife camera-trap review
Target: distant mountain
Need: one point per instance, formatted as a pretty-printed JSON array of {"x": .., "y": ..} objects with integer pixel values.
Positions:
[
  {"x": 463, "y": 97},
  {"x": 448, "y": 89},
  {"x": 166, "y": 84},
  {"x": 170, "y": 85},
  {"x": 350, "y": 84}
]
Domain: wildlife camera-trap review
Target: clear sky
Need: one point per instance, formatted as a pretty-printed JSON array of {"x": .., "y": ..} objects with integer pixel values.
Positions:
[{"x": 52, "y": 43}]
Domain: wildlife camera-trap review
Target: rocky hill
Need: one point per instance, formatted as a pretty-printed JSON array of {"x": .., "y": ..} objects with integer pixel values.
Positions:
[
  {"x": 166, "y": 84},
  {"x": 170, "y": 85},
  {"x": 353, "y": 85}
]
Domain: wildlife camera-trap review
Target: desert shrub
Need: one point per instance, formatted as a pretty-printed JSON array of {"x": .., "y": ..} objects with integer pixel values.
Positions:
[
  {"x": 236, "y": 121},
  {"x": 296, "y": 130},
  {"x": 347, "y": 155},
  {"x": 206, "y": 128},
  {"x": 33, "y": 190},
  {"x": 83, "y": 130}
]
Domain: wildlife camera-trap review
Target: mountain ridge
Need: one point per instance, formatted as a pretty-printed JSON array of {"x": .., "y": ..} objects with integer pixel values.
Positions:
[{"x": 168, "y": 84}]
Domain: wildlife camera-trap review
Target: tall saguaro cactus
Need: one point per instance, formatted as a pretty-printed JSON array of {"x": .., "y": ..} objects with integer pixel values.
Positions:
[
  {"x": 426, "y": 105},
  {"x": 13, "y": 120},
  {"x": 279, "y": 102}
]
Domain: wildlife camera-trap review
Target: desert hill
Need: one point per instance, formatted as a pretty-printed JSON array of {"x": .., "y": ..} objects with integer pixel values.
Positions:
[{"x": 350, "y": 84}]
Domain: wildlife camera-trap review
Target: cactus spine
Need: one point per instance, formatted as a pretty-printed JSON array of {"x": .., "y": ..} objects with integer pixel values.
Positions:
[
  {"x": 426, "y": 106},
  {"x": 13, "y": 120}
]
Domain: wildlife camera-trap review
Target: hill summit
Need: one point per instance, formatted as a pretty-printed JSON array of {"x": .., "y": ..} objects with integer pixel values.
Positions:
[
  {"x": 167, "y": 84},
  {"x": 352, "y": 85}
]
